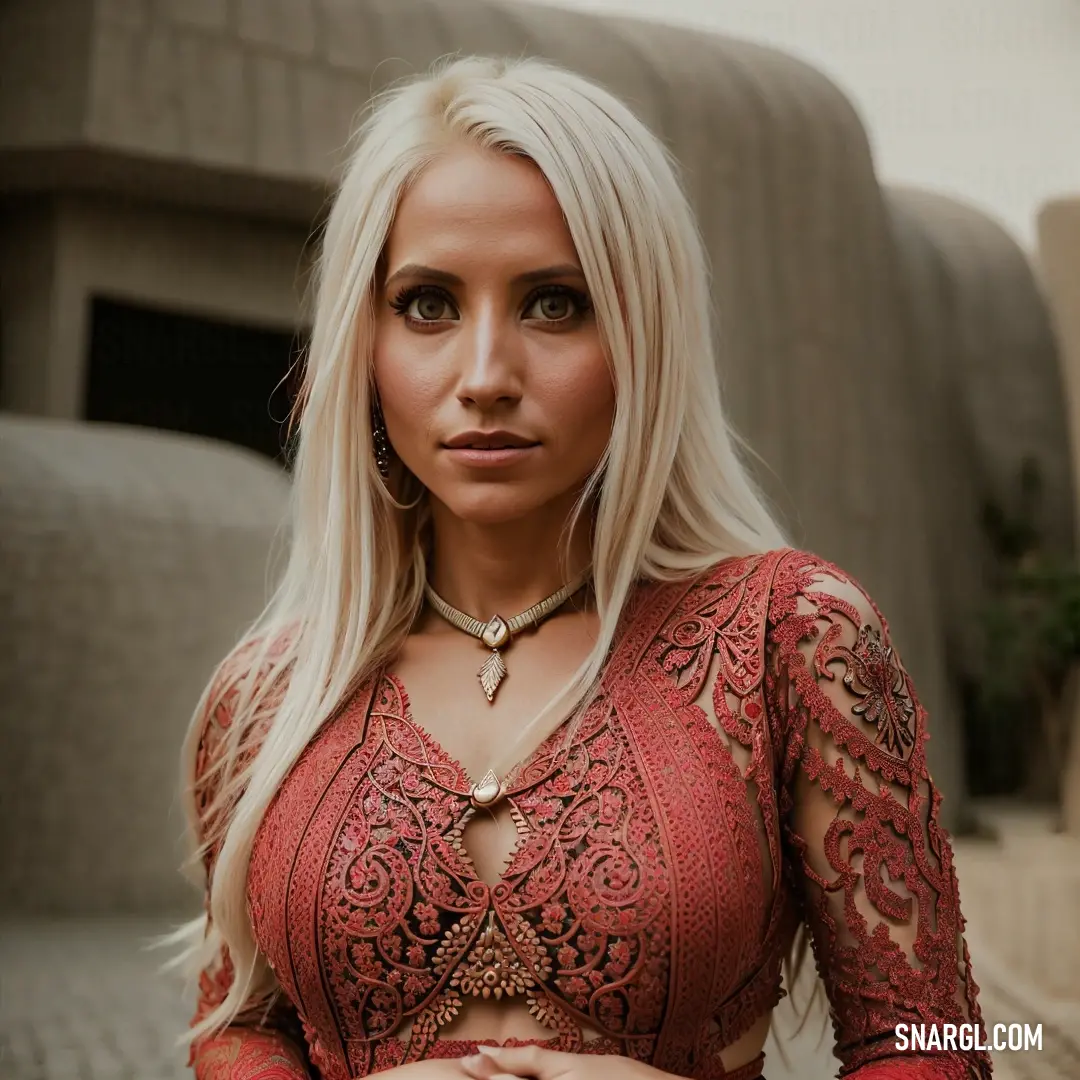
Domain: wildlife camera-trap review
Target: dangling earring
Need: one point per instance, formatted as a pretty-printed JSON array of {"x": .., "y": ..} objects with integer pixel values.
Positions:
[{"x": 379, "y": 440}]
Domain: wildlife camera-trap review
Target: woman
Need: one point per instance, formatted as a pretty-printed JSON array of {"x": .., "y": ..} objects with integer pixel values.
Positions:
[{"x": 546, "y": 739}]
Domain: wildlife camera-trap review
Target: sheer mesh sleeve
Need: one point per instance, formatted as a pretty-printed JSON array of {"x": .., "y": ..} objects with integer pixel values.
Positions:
[
  {"x": 264, "y": 1042},
  {"x": 866, "y": 857}
]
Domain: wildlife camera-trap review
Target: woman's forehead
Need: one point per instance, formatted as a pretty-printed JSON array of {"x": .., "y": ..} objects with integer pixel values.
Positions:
[{"x": 481, "y": 207}]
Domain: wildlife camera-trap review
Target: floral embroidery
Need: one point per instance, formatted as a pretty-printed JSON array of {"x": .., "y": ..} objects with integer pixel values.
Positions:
[{"x": 875, "y": 675}]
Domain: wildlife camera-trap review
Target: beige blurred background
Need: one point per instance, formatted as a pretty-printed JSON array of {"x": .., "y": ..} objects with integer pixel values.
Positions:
[
  {"x": 946, "y": 87},
  {"x": 890, "y": 195}
]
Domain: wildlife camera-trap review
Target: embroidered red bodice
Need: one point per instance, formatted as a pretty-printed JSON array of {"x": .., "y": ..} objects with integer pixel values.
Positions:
[{"x": 756, "y": 756}]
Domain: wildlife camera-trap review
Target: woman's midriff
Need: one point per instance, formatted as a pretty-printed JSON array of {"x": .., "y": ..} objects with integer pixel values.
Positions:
[{"x": 509, "y": 1023}]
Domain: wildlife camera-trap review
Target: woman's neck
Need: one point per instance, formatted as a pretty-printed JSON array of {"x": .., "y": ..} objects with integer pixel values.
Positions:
[{"x": 503, "y": 569}]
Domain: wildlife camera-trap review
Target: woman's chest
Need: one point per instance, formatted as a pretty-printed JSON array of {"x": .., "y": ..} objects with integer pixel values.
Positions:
[{"x": 609, "y": 884}]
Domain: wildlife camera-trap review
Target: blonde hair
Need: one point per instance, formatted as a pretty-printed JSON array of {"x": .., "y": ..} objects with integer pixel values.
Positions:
[{"x": 669, "y": 498}]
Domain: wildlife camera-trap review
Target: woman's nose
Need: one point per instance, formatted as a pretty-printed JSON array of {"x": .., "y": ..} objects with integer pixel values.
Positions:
[{"x": 490, "y": 361}]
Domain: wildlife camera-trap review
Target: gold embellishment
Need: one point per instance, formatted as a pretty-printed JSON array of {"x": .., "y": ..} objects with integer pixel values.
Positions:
[
  {"x": 456, "y": 835},
  {"x": 454, "y": 940},
  {"x": 542, "y": 1010},
  {"x": 493, "y": 966},
  {"x": 447, "y": 1008}
]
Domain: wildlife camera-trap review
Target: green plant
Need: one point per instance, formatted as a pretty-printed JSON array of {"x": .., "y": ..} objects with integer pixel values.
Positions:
[{"x": 1031, "y": 630}]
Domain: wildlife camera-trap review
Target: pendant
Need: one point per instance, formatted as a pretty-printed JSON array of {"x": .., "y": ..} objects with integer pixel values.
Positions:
[
  {"x": 494, "y": 636},
  {"x": 488, "y": 790},
  {"x": 491, "y": 674},
  {"x": 496, "y": 633}
]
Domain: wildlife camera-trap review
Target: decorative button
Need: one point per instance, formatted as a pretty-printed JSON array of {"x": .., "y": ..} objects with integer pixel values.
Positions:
[{"x": 488, "y": 790}]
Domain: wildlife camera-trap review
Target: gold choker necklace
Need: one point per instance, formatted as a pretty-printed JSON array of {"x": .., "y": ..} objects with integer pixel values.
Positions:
[{"x": 497, "y": 631}]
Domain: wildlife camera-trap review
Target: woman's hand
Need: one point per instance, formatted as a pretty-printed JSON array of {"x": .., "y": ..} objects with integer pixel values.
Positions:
[
  {"x": 540, "y": 1063},
  {"x": 428, "y": 1069}
]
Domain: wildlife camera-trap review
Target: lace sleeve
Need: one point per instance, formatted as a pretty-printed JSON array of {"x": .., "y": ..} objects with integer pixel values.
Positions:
[
  {"x": 871, "y": 866},
  {"x": 265, "y": 1041}
]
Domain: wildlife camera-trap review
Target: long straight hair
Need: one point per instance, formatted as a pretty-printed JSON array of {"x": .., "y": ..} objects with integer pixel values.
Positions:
[{"x": 670, "y": 497}]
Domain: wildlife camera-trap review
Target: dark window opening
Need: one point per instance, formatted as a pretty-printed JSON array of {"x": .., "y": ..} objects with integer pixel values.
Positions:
[{"x": 187, "y": 373}]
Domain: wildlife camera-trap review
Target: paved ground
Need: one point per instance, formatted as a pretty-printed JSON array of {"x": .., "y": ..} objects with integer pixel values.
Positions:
[
  {"x": 83, "y": 1002},
  {"x": 1021, "y": 896}
]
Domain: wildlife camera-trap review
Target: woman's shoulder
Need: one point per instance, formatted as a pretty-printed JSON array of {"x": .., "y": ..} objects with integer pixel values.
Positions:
[
  {"x": 786, "y": 581},
  {"x": 243, "y": 673}
]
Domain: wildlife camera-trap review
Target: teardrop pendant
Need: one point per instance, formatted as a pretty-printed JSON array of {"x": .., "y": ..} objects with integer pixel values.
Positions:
[
  {"x": 488, "y": 790},
  {"x": 496, "y": 633}
]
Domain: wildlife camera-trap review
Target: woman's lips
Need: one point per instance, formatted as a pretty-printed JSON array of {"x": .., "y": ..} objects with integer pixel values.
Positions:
[{"x": 490, "y": 458}]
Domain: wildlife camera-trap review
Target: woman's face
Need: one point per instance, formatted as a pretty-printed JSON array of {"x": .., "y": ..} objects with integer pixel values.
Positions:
[{"x": 485, "y": 339}]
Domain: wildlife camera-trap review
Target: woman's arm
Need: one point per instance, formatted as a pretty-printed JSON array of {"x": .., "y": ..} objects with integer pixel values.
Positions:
[
  {"x": 865, "y": 854},
  {"x": 261, "y": 1043}
]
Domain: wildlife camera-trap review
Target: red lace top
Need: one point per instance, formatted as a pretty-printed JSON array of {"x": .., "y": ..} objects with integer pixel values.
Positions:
[{"x": 756, "y": 756}]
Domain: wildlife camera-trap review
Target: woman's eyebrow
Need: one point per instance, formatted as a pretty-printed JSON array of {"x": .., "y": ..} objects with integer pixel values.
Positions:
[{"x": 546, "y": 273}]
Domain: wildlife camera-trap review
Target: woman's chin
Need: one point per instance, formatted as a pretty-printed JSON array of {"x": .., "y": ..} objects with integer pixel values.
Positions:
[{"x": 493, "y": 504}]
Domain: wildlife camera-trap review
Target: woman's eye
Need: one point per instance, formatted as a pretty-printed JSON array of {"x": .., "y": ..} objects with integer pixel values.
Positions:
[
  {"x": 557, "y": 306},
  {"x": 554, "y": 307},
  {"x": 428, "y": 307},
  {"x": 423, "y": 305}
]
